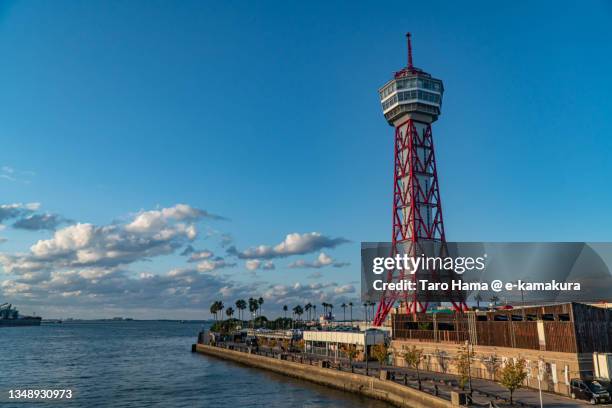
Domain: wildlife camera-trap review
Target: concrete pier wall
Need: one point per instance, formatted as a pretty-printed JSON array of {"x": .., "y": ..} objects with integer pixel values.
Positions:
[{"x": 388, "y": 391}]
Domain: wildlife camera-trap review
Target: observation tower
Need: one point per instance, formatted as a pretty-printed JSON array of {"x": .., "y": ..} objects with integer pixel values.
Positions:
[{"x": 411, "y": 102}]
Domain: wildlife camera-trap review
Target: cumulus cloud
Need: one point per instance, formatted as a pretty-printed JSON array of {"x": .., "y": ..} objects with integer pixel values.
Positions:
[
  {"x": 293, "y": 244},
  {"x": 17, "y": 210},
  {"x": 95, "y": 287},
  {"x": 322, "y": 260},
  {"x": 211, "y": 265},
  {"x": 38, "y": 222},
  {"x": 196, "y": 255},
  {"x": 254, "y": 264},
  {"x": 88, "y": 289},
  {"x": 87, "y": 267},
  {"x": 25, "y": 217},
  {"x": 148, "y": 235},
  {"x": 343, "y": 289},
  {"x": 299, "y": 293},
  {"x": 156, "y": 219}
]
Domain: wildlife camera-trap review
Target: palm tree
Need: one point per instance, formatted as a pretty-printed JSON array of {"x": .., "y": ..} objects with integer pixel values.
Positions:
[
  {"x": 351, "y": 311},
  {"x": 253, "y": 306},
  {"x": 372, "y": 304},
  {"x": 494, "y": 300},
  {"x": 298, "y": 311},
  {"x": 214, "y": 310},
  {"x": 220, "y": 307},
  {"x": 365, "y": 309},
  {"x": 314, "y": 311},
  {"x": 240, "y": 305},
  {"x": 307, "y": 308},
  {"x": 478, "y": 299},
  {"x": 324, "y": 308},
  {"x": 260, "y": 302},
  {"x": 343, "y": 306},
  {"x": 285, "y": 308},
  {"x": 229, "y": 312}
]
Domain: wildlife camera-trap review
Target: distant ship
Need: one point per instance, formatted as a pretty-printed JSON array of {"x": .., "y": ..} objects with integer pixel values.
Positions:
[{"x": 9, "y": 316}]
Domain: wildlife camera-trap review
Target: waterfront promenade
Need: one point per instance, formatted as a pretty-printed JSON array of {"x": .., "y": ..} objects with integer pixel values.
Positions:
[{"x": 433, "y": 384}]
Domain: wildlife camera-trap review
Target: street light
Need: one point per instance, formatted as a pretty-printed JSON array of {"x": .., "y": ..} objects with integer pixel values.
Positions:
[
  {"x": 365, "y": 349},
  {"x": 469, "y": 355},
  {"x": 540, "y": 378}
]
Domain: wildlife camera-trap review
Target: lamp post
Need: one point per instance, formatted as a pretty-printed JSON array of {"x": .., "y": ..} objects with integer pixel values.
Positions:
[
  {"x": 469, "y": 356},
  {"x": 540, "y": 378},
  {"x": 365, "y": 349}
]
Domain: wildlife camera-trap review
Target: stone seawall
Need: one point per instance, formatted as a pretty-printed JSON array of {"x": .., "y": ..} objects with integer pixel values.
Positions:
[{"x": 388, "y": 391}]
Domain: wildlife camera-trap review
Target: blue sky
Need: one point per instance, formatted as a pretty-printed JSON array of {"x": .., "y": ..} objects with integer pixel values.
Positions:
[{"x": 267, "y": 114}]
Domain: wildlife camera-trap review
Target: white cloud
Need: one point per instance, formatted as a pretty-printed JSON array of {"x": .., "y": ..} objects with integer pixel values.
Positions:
[
  {"x": 24, "y": 217},
  {"x": 37, "y": 222},
  {"x": 157, "y": 219},
  {"x": 254, "y": 264},
  {"x": 83, "y": 267},
  {"x": 11, "y": 174},
  {"x": 293, "y": 244},
  {"x": 213, "y": 265},
  {"x": 17, "y": 210},
  {"x": 322, "y": 260},
  {"x": 148, "y": 235},
  {"x": 344, "y": 289}
]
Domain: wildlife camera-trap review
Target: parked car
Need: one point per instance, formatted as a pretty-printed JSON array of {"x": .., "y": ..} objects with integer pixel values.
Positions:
[
  {"x": 589, "y": 390},
  {"x": 607, "y": 384}
]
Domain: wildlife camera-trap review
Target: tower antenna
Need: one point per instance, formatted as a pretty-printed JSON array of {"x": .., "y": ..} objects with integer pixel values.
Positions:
[{"x": 409, "y": 51}]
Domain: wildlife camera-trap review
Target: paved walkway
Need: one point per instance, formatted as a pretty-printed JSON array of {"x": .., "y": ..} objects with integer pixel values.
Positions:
[{"x": 484, "y": 391}]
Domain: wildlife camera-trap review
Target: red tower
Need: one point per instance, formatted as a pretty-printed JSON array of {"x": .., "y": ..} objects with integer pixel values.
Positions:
[{"x": 411, "y": 102}]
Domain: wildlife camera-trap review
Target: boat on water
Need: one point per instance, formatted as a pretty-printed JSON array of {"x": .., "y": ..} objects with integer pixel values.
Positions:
[{"x": 9, "y": 316}]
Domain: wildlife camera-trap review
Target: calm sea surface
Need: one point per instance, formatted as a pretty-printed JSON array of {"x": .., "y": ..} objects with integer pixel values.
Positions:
[{"x": 143, "y": 364}]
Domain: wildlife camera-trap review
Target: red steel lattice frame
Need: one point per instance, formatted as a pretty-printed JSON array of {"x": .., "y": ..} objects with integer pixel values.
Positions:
[{"x": 410, "y": 230}]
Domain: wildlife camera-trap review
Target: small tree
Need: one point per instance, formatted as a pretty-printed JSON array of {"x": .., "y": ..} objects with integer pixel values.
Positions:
[
  {"x": 351, "y": 352},
  {"x": 463, "y": 363},
  {"x": 512, "y": 375},
  {"x": 300, "y": 345},
  {"x": 413, "y": 357},
  {"x": 381, "y": 353}
]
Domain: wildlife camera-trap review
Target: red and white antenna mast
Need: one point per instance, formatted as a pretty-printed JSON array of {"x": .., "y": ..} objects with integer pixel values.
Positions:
[{"x": 410, "y": 66}]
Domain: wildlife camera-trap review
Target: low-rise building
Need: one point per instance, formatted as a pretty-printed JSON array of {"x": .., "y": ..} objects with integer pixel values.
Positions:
[
  {"x": 333, "y": 343},
  {"x": 556, "y": 341}
]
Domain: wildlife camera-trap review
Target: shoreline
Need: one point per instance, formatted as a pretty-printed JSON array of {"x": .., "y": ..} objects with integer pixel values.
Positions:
[{"x": 388, "y": 391}]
